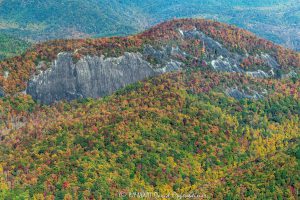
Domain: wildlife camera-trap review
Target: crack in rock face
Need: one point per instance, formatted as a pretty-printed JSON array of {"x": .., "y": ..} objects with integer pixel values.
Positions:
[{"x": 91, "y": 76}]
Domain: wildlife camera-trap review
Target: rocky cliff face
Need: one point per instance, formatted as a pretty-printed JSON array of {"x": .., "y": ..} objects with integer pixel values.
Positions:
[
  {"x": 91, "y": 76},
  {"x": 97, "y": 76},
  {"x": 223, "y": 60}
]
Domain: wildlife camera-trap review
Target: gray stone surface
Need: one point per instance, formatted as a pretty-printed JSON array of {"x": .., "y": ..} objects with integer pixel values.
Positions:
[
  {"x": 240, "y": 94},
  {"x": 269, "y": 60},
  {"x": 164, "y": 55},
  {"x": 225, "y": 65},
  {"x": 258, "y": 74},
  {"x": 225, "y": 61},
  {"x": 90, "y": 77},
  {"x": 221, "y": 58}
]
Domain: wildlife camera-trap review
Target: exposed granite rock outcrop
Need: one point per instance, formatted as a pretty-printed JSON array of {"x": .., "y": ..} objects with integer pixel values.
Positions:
[
  {"x": 224, "y": 60},
  {"x": 258, "y": 74},
  {"x": 269, "y": 60},
  {"x": 95, "y": 77},
  {"x": 211, "y": 45},
  {"x": 221, "y": 58},
  {"x": 164, "y": 55},
  {"x": 225, "y": 65},
  {"x": 240, "y": 94},
  {"x": 91, "y": 76}
]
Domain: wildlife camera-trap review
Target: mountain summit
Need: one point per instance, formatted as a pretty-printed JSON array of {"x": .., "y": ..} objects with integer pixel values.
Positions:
[
  {"x": 71, "y": 69},
  {"x": 188, "y": 108}
]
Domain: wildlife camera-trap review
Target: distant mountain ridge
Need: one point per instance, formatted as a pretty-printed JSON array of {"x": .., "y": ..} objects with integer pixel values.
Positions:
[{"x": 42, "y": 20}]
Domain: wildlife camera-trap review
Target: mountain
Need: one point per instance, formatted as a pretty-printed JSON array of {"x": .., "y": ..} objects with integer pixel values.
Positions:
[
  {"x": 167, "y": 47},
  {"x": 11, "y": 46},
  {"x": 42, "y": 20},
  {"x": 189, "y": 107}
]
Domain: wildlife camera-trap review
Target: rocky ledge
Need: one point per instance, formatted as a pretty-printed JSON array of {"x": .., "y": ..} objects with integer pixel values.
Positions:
[{"x": 91, "y": 76}]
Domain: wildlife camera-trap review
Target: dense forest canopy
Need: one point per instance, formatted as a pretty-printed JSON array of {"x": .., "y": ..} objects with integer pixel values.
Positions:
[
  {"x": 179, "y": 133},
  {"x": 11, "y": 46}
]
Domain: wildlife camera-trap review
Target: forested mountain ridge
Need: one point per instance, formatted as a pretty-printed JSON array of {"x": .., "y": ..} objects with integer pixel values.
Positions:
[
  {"x": 42, "y": 20},
  {"x": 190, "y": 42},
  {"x": 219, "y": 118}
]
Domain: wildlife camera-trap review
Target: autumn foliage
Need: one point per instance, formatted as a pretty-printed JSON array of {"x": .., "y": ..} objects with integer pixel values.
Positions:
[
  {"x": 20, "y": 68},
  {"x": 174, "y": 133},
  {"x": 180, "y": 132}
]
